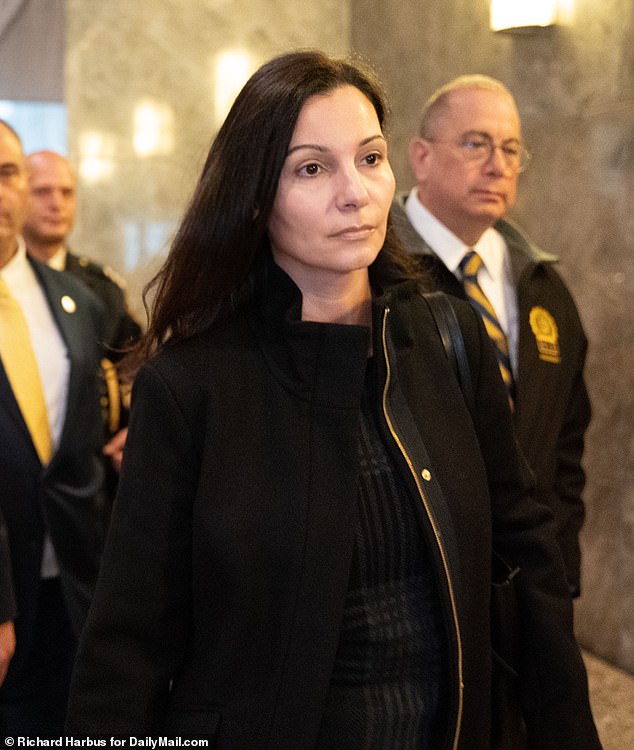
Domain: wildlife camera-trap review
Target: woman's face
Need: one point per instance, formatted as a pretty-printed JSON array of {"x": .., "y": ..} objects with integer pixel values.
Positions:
[{"x": 332, "y": 202}]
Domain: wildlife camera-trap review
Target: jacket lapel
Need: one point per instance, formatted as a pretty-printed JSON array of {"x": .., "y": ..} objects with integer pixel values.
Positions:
[
  {"x": 10, "y": 406},
  {"x": 64, "y": 308}
]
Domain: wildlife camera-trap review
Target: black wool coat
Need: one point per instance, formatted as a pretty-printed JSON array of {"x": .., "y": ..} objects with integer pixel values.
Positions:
[{"x": 224, "y": 579}]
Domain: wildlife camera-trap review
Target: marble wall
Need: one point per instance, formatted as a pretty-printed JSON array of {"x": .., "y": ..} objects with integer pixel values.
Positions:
[
  {"x": 575, "y": 90},
  {"x": 147, "y": 83},
  {"x": 143, "y": 90}
]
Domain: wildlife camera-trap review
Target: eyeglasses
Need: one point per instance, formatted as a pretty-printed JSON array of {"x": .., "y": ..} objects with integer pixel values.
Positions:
[{"x": 479, "y": 147}]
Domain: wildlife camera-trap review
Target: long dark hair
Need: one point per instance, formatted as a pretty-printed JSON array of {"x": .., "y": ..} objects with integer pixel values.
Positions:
[{"x": 210, "y": 265}]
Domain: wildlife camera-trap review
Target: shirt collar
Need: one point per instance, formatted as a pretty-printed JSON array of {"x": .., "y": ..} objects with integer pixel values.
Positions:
[
  {"x": 491, "y": 247},
  {"x": 450, "y": 248},
  {"x": 17, "y": 266},
  {"x": 58, "y": 261}
]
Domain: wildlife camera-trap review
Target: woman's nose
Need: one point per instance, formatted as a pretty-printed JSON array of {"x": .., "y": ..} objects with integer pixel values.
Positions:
[{"x": 351, "y": 189}]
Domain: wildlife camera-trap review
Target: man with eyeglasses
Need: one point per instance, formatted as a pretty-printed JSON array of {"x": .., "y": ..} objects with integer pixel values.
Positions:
[{"x": 466, "y": 160}]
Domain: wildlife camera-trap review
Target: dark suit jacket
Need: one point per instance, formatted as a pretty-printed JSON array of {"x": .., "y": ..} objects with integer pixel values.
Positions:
[
  {"x": 120, "y": 328},
  {"x": 552, "y": 410},
  {"x": 61, "y": 497},
  {"x": 120, "y": 331}
]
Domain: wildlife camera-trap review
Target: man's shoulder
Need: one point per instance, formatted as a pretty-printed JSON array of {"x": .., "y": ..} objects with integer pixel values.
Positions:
[
  {"x": 518, "y": 241},
  {"x": 62, "y": 280},
  {"x": 537, "y": 278},
  {"x": 529, "y": 262},
  {"x": 409, "y": 238},
  {"x": 72, "y": 294},
  {"x": 94, "y": 273}
]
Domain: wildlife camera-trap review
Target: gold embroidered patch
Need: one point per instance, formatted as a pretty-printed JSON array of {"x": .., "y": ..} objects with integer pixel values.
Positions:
[{"x": 546, "y": 334}]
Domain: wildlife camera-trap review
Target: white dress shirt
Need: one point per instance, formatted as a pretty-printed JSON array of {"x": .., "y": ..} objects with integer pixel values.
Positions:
[
  {"x": 494, "y": 276},
  {"x": 58, "y": 261},
  {"x": 50, "y": 353}
]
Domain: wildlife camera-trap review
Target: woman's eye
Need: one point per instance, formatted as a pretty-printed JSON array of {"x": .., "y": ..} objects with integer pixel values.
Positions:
[
  {"x": 310, "y": 169},
  {"x": 373, "y": 158}
]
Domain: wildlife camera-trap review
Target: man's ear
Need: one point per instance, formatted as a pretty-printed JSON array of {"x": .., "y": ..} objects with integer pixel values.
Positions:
[{"x": 419, "y": 150}]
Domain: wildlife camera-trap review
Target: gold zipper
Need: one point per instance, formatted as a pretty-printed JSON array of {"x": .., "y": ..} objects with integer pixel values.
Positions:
[{"x": 452, "y": 597}]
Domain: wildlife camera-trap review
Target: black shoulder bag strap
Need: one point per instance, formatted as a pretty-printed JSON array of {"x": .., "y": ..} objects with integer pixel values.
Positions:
[
  {"x": 451, "y": 336},
  {"x": 508, "y": 727}
]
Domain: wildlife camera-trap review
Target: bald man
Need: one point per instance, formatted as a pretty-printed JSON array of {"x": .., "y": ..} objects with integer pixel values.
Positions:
[
  {"x": 49, "y": 220},
  {"x": 50, "y": 217},
  {"x": 466, "y": 158}
]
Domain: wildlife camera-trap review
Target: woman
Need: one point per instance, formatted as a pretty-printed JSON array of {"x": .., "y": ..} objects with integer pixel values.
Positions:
[{"x": 300, "y": 550}]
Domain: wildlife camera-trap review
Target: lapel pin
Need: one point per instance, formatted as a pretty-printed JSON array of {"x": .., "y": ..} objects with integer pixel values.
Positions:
[{"x": 68, "y": 304}]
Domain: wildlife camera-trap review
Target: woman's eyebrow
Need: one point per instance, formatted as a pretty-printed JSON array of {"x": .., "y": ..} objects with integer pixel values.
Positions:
[
  {"x": 324, "y": 149},
  {"x": 310, "y": 146}
]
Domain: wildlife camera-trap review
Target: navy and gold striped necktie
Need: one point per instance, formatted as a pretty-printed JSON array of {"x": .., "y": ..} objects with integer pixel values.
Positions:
[{"x": 469, "y": 266}]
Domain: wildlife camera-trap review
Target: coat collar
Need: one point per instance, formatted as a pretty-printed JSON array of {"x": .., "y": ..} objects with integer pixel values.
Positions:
[
  {"x": 524, "y": 253},
  {"x": 323, "y": 362}
]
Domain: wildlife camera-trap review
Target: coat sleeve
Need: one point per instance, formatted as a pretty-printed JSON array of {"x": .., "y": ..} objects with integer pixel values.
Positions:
[
  {"x": 553, "y": 681},
  {"x": 138, "y": 623},
  {"x": 570, "y": 477},
  {"x": 8, "y": 608}
]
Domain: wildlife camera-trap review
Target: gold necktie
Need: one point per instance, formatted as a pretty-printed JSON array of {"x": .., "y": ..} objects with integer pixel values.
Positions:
[
  {"x": 22, "y": 370},
  {"x": 470, "y": 265}
]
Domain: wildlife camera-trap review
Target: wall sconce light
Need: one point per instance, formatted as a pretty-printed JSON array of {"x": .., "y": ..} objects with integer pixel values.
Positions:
[
  {"x": 96, "y": 156},
  {"x": 516, "y": 15},
  {"x": 153, "y": 129},
  {"x": 232, "y": 68}
]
